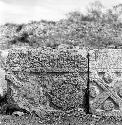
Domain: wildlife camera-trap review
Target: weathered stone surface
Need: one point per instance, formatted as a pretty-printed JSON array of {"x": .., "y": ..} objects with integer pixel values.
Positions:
[
  {"x": 40, "y": 87},
  {"x": 3, "y": 83},
  {"x": 53, "y": 90},
  {"x": 106, "y": 82},
  {"x": 44, "y": 90},
  {"x": 106, "y": 59},
  {"x": 46, "y": 60}
]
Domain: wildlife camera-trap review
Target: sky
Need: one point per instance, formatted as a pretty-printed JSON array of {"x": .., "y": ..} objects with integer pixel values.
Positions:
[{"x": 24, "y": 11}]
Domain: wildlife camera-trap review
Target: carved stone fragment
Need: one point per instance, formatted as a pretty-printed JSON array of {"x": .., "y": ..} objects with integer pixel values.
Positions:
[
  {"x": 105, "y": 77},
  {"x": 47, "y": 80}
]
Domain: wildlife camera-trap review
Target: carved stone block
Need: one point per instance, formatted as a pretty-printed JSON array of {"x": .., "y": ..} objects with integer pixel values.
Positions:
[
  {"x": 106, "y": 82},
  {"x": 47, "y": 80}
]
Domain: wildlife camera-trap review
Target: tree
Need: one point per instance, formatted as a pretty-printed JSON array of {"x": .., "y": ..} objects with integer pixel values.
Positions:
[
  {"x": 117, "y": 10},
  {"x": 109, "y": 16},
  {"x": 75, "y": 16},
  {"x": 95, "y": 10},
  {"x": 113, "y": 15}
]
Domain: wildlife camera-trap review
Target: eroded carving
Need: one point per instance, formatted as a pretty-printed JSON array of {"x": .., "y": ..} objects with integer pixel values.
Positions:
[
  {"x": 105, "y": 77},
  {"x": 47, "y": 80}
]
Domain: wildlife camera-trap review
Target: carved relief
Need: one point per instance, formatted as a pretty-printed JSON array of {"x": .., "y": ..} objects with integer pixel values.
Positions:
[
  {"x": 105, "y": 77},
  {"x": 47, "y": 80}
]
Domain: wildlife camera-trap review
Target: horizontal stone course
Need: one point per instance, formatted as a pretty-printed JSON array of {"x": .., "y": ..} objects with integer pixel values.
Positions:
[{"x": 38, "y": 60}]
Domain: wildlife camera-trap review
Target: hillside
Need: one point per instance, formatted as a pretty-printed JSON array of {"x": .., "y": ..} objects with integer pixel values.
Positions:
[{"x": 81, "y": 33}]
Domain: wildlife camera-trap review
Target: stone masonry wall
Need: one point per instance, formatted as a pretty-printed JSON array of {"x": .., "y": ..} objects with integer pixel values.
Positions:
[{"x": 54, "y": 80}]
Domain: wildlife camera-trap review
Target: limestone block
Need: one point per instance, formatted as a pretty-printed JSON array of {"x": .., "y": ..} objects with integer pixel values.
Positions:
[
  {"x": 47, "y": 80},
  {"x": 106, "y": 82}
]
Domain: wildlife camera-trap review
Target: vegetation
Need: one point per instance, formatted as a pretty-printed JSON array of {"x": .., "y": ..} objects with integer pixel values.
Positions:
[{"x": 100, "y": 27}]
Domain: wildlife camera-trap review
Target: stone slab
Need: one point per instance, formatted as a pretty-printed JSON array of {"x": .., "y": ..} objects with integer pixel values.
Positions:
[{"x": 106, "y": 82}]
